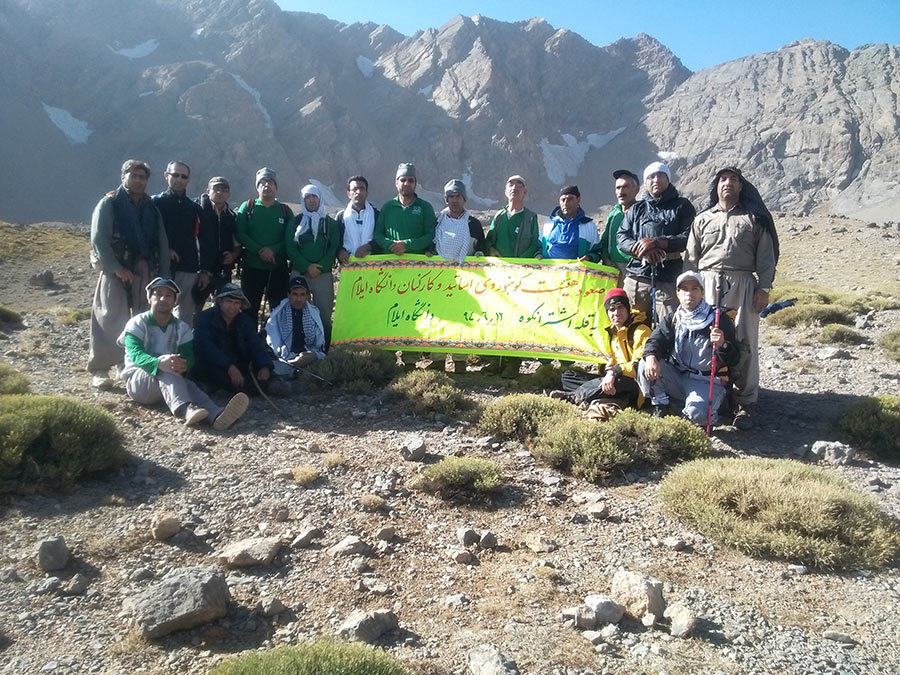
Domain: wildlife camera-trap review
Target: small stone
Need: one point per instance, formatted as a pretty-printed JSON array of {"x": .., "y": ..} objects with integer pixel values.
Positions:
[
  {"x": 610, "y": 632},
  {"x": 832, "y": 353},
  {"x": 466, "y": 536},
  {"x": 250, "y": 552},
  {"x": 598, "y": 510},
  {"x": 488, "y": 540},
  {"x": 638, "y": 593},
  {"x": 77, "y": 585},
  {"x": 583, "y": 617},
  {"x": 9, "y": 575},
  {"x": 368, "y": 626},
  {"x": 164, "y": 526},
  {"x": 463, "y": 557},
  {"x": 838, "y": 636},
  {"x": 386, "y": 533},
  {"x": 48, "y": 585},
  {"x": 593, "y": 636},
  {"x": 457, "y": 600},
  {"x": 414, "y": 449},
  {"x": 674, "y": 543},
  {"x": 52, "y": 554},
  {"x": 833, "y": 452},
  {"x": 305, "y": 537},
  {"x": 682, "y": 620},
  {"x": 605, "y": 608},
  {"x": 540, "y": 543},
  {"x": 486, "y": 659},
  {"x": 348, "y": 546},
  {"x": 649, "y": 620},
  {"x": 270, "y": 606},
  {"x": 798, "y": 569},
  {"x": 586, "y": 498},
  {"x": 140, "y": 574},
  {"x": 282, "y": 515}
]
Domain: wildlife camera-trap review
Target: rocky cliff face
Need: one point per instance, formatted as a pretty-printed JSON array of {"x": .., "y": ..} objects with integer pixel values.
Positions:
[{"x": 234, "y": 85}]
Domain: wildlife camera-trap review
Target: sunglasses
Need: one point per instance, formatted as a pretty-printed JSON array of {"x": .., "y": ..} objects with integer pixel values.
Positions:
[{"x": 178, "y": 175}]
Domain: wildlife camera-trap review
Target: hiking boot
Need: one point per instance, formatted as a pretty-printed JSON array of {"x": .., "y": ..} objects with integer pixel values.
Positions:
[
  {"x": 232, "y": 412},
  {"x": 194, "y": 415},
  {"x": 660, "y": 410},
  {"x": 559, "y": 393},
  {"x": 100, "y": 380},
  {"x": 744, "y": 419}
]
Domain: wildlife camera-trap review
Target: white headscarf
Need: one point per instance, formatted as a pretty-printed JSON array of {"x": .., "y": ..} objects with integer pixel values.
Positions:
[
  {"x": 309, "y": 220},
  {"x": 358, "y": 234}
]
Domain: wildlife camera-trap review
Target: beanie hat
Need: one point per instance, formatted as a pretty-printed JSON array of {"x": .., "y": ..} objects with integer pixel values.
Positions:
[{"x": 616, "y": 295}]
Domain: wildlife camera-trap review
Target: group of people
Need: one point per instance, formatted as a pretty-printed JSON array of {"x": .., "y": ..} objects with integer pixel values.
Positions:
[{"x": 162, "y": 257}]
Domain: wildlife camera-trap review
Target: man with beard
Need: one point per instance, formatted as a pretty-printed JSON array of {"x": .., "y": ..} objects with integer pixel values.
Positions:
[
  {"x": 406, "y": 223},
  {"x": 569, "y": 234},
  {"x": 357, "y": 222},
  {"x": 655, "y": 233},
  {"x": 129, "y": 246},
  {"x": 734, "y": 246},
  {"x": 159, "y": 351},
  {"x": 294, "y": 331},
  {"x": 311, "y": 244}
]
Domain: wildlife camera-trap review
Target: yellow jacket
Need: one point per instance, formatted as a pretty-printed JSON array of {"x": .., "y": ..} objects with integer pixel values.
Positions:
[{"x": 626, "y": 345}]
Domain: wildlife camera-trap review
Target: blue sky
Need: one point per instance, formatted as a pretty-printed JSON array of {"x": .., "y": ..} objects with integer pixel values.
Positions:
[{"x": 701, "y": 34}]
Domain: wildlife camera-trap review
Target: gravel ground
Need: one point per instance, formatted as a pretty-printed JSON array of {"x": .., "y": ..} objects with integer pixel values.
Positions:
[{"x": 754, "y": 616}]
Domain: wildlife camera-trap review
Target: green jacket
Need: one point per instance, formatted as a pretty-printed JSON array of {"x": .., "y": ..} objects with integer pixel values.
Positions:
[
  {"x": 308, "y": 250},
  {"x": 263, "y": 227},
  {"x": 606, "y": 249},
  {"x": 413, "y": 225},
  {"x": 516, "y": 236}
]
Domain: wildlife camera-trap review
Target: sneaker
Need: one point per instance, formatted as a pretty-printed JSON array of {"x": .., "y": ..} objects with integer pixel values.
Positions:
[
  {"x": 194, "y": 415},
  {"x": 659, "y": 410},
  {"x": 559, "y": 393},
  {"x": 100, "y": 380},
  {"x": 744, "y": 418},
  {"x": 232, "y": 412}
]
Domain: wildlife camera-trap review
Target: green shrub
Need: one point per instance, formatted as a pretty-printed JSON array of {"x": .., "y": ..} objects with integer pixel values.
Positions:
[
  {"x": 782, "y": 509},
  {"x": 9, "y": 316},
  {"x": 586, "y": 448},
  {"x": 890, "y": 343},
  {"x": 545, "y": 377},
  {"x": 49, "y": 441},
  {"x": 812, "y": 314},
  {"x": 520, "y": 416},
  {"x": 316, "y": 658},
  {"x": 71, "y": 316},
  {"x": 460, "y": 476},
  {"x": 11, "y": 381},
  {"x": 874, "y": 424},
  {"x": 356, "y": 369},
  {"x": 429, "y": 391},
  {"x": 835, "y": 332},
  {"x": 659, "y": 440}
]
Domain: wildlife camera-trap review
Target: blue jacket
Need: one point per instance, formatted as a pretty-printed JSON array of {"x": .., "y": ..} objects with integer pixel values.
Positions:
[{"x": 209, "y": 343}]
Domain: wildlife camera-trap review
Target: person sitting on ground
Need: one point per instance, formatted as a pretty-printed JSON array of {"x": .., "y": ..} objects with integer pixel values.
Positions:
[
  {"x": 230, "y": 351},
  {"x": 295, "y": 332},
  {"x": 159, "y": 351},
  {"x": 624, "y": 341},
  {"x": 678, "y": 356}
]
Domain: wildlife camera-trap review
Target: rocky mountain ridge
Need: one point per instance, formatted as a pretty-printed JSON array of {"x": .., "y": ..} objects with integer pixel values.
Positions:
[{"x": 232, "y": 86}]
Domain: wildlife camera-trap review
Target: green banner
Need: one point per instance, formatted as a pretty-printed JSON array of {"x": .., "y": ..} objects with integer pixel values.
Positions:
[{"x": 535, "y": 308}]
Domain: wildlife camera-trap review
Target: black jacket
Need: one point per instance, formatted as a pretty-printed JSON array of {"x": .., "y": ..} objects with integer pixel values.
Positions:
[
  {"x": 665, "y": 217},
  {"x": 219, "y": 228},
  {"x": 186, "y": 230}
]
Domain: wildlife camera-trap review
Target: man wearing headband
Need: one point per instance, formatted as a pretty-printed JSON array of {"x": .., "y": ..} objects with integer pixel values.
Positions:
[
  {"x": 294, "y": 331},
  {"x": 312, "y": 244},
  {"x": 230, "y": 352},
  {"x": 159, "y": 352}
]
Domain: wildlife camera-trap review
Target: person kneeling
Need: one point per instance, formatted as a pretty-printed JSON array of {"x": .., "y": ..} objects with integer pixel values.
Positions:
[
  {"x": 295, "y": 331},
  {"x": 159, "y": 351},
  {"x": 623, "y": 340},
  {"x": 230, "y": 352},
  {"x": 678, "y": 356}
]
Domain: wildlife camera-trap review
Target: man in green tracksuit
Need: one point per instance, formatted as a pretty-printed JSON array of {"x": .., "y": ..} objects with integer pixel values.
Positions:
[
  {"x": 260, "y": 227},
  {"x": 312, "y": 243},
  {"x": 627, "y": 187},
  {"x": 406, "y": 223},
  {"x": 514, "y": 230}
]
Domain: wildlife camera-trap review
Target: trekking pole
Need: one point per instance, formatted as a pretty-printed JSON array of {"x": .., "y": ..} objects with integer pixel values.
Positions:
[
  {"x": 712, "y": 371},
  {"x": 311, "y": 374},
  {"x": 260, "y": 324},
  {"x": 652, "y": 296}
]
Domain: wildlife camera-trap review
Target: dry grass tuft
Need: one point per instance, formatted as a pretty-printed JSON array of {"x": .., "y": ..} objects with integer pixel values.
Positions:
[
  {"x": 321, "y": 657},
  {"x": 305, "y": 475},
  {"x": 429, "y": 391},
  {"x": 782, "y": 509},
  {"x": 520, "y": 416},
  {"x": 372, "y": 503},
  {"x": 890, "y": 343},
  {"x": 455, "y": 477},
  {"x": 874, "y": 424}
]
